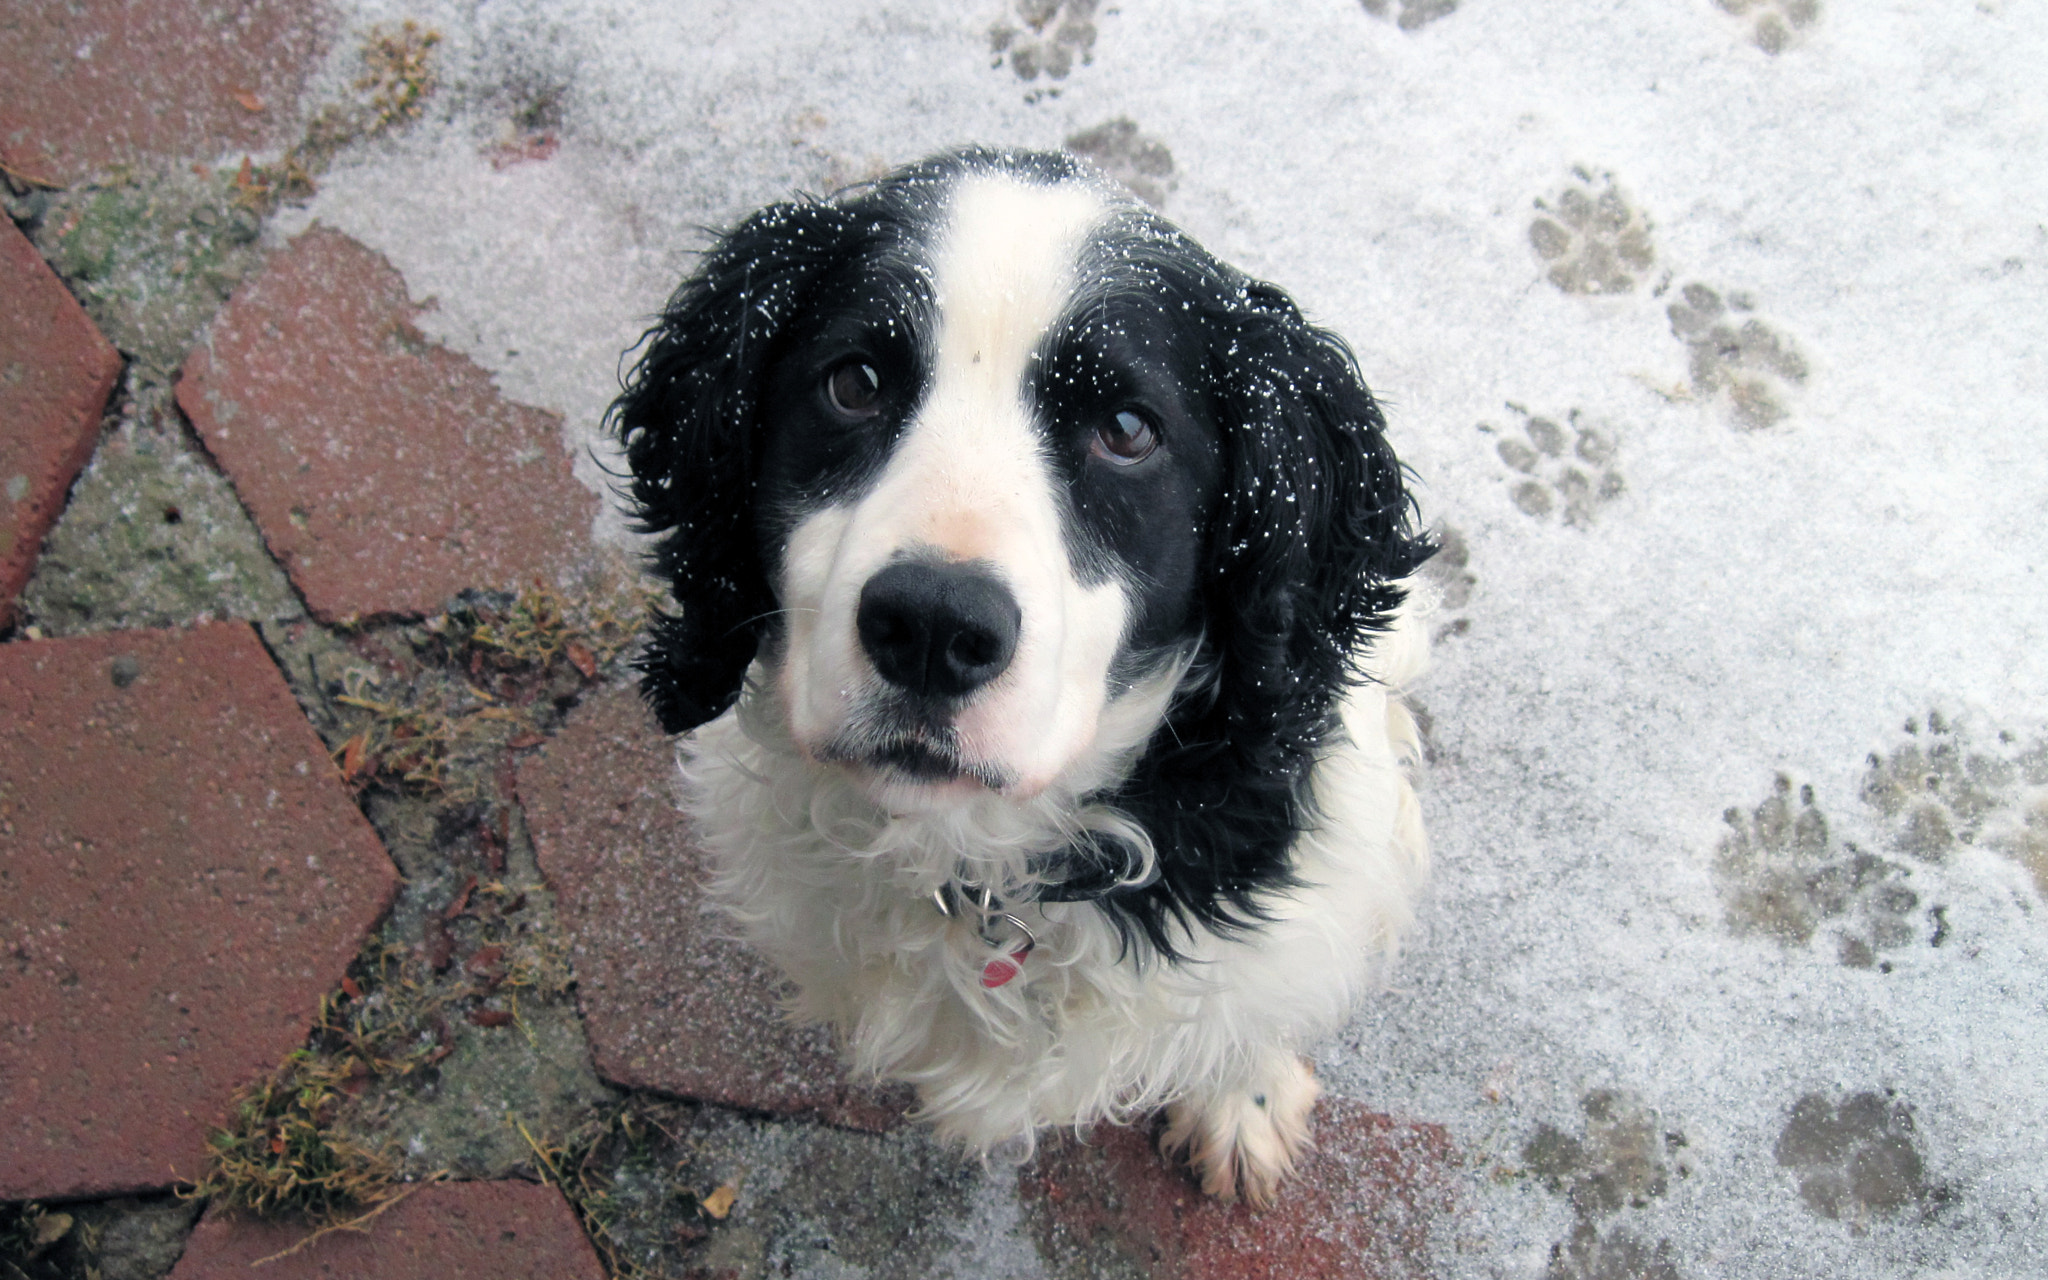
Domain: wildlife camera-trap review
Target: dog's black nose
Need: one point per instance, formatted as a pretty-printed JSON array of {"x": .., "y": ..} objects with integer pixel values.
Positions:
[{"x": 942, "y": 630}]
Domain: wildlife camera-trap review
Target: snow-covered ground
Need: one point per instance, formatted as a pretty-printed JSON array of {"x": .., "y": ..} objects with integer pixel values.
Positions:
[{"x": 1715, "y": 340}]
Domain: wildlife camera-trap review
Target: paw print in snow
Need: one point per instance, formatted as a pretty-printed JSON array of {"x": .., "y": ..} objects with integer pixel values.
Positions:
[
  {"x": 1141, "y": 162},
  {"x": 831, "y": 169},
  {"x": 1590, "y": 237},
  {"x": 1410, "y": 14},
  {"x": 1773, "y": 23},
  {"x": 1742, "y": 357},
  {"x": 1783, "y": 874},
  {"x": 1618, "y": 1255},
  {"x": 1054, "y": 36},
  {"x": 1450, "y": 572},
  {"x": 1625, "y": 1160},
  {"x": 1576, "y": 486},
  {"x": 1856, "y": 1159},
  {"x": 1939, "y": 790}
]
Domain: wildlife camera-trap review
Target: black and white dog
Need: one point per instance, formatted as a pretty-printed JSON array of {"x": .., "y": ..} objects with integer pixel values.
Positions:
[{"x": 1042, "y": 617}]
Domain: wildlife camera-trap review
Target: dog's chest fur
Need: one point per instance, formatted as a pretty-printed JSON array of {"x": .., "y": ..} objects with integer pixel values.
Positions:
[{"x": 839, "y": 893}]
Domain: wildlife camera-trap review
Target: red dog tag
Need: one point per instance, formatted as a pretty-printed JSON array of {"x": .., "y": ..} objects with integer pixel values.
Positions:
[{"x": 1003, "y": 968}]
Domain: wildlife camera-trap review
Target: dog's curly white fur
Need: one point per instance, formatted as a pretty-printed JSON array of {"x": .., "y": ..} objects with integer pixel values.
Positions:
[{"x": 1028, "y": 555}]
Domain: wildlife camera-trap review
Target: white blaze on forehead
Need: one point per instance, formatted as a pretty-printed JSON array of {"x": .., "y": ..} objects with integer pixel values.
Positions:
[
  {"x": 1004, "y": 274},
  {"x": 969, "y": 480}
]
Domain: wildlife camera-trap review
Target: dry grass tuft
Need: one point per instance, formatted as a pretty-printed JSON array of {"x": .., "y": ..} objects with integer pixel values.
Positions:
[
  {"x": 505, "y": 665},
  {"x": 281, "y": 1156},
  {"x": 397, "y": 80},
  {"x": 584, "y": 1165},
  {"x": 399, "y": 75}
]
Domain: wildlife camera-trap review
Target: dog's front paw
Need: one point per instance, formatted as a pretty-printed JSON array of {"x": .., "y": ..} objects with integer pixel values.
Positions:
[{"x": 1244, "y": 1142}]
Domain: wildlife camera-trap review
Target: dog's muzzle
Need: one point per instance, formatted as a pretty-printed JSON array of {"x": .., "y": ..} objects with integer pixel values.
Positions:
[{"x": 938, "y": 631}]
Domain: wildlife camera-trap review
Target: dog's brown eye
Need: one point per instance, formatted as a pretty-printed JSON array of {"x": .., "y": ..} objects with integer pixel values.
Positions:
[
  {"x": 855, "y": 389},
  {"x": 1124, "y": 439}
]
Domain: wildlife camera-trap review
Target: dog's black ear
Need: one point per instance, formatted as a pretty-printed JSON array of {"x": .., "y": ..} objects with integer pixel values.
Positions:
[
  {"x": 688, "y": 418},
  {"x": 1316, "y": 525},
  {"x": 1313, "y": 532}
]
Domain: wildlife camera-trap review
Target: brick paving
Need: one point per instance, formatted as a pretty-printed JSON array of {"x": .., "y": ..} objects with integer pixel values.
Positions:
[
  {"x": 1360, "y": 1208},
  {"x": 385, "y": 471},
  {"x": 444, "y": 1231},
  {"x": 95, "y": 83},
  {"x": 185, "y": 876},
  {"x": 668, "y": 1001},
  {"x": 55, "y": 373}
]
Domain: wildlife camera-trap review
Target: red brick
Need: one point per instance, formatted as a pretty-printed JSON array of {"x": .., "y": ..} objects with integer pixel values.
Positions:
[
  {"x": 443, "y": 1231},
  {"x": 669, "y": 1001},
  {"x": 386, "y": 472},
  {"x": 95, "y": 83},
  {"x": 1360, "y": 1207},
  {"x": 55, "y": 373},
  {"x": 184, "y": 876}
]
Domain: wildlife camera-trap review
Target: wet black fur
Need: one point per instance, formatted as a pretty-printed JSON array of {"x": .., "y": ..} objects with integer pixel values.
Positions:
[{"x": 1311, "y": 527}]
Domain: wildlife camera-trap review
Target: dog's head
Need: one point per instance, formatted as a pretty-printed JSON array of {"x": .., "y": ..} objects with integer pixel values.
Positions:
[{"x": 967, "y": 455}]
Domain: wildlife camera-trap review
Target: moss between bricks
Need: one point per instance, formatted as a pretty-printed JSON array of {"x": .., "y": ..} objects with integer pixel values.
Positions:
[
  {"x": 151, "y": 258},
  {"x": 491, "y": 674},
  {"x": 425, "y": 1063},
  {"x": 675, "y": 1189},
  {"x": 455, "y": 1026},
  {"x": 153, "y": 535},
  {"x": 126, "y": 1238}
]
